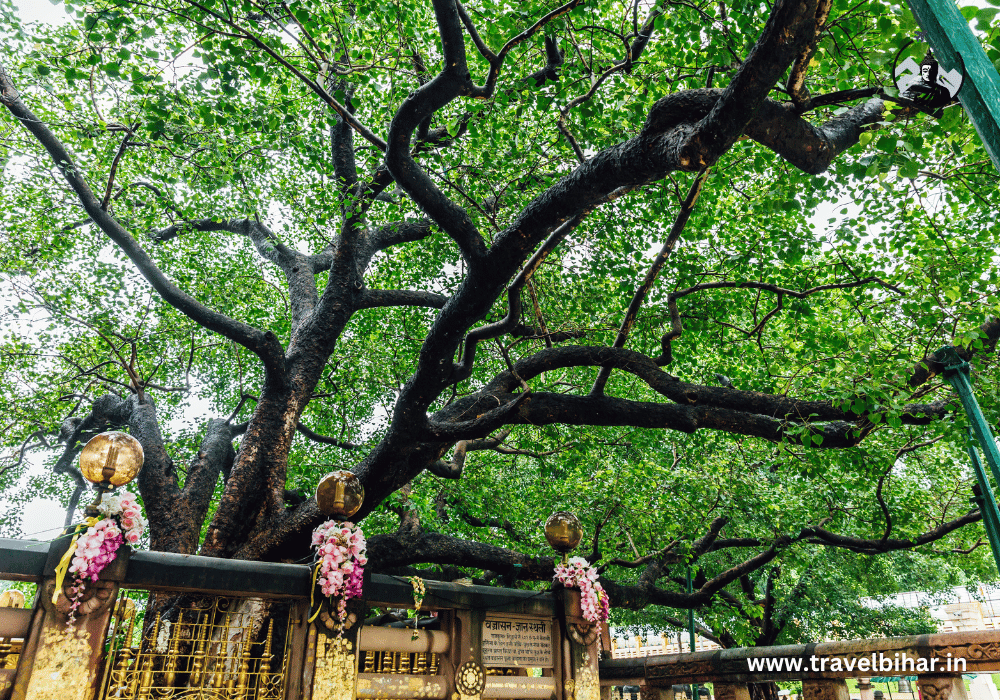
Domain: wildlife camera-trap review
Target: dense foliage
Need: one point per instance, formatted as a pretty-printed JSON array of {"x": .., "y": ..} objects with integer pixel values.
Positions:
[{"x": 257, "y": 234}]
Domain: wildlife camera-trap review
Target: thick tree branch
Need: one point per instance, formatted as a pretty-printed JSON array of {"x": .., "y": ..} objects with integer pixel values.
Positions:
[
  {"x": 930, "y": 366},
  {"x": 790, "y": 26},
  {"x": 399, "y": 232},
  {"x": 483, "y": 49},
  {"x": 453, "y": 81},
  {"x": 553, "y": 60},
  {"x": 375, "y": 298},
  {"x": 609, "y": 174},
  {"x": 796, "y": 84},
  {"x": 880, "y": 546},
  {"x": 778, "y": 406},
  {"x": 214, "y": 457}
]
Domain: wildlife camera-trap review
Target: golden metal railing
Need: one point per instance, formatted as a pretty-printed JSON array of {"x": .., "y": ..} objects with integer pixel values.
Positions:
[
  {"x": 214, "y": 649},
  {"x": 415, "y": 664}
]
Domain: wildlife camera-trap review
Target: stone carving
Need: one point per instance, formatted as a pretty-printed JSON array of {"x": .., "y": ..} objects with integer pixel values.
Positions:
[
  {"x": 96, "y": 598},
  {"x": 989, "y": 651},
  {"x": 942, "y": 687},
  {"x": 825, "y": 690},
  {"x": 731, "y": 691},
  {"x": 328, "y": 617},
  {"x": 584, "y": 635},
  {"x": 648, "y": 692},
  {"x": 679, "y": 670}
]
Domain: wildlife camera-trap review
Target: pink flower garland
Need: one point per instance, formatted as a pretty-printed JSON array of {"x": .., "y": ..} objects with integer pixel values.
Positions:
[
  {"x": 341, "y": 558},
  {"x": 577, "y": 573},
  {"x": 96, "y": 548}
]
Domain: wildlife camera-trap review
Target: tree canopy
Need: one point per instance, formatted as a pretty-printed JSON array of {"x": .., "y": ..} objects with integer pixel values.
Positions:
[{"x": 677, "y": 266}]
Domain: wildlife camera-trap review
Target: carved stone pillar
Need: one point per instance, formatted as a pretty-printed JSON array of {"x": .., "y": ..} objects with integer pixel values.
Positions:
[
  {"x": 825, "y": 690},
  {"x": 731, "y": 691},
  {"x": 649, "y": 693},
  {"x": 942, "y": 687},
  {"x": 865, "y": 689}
]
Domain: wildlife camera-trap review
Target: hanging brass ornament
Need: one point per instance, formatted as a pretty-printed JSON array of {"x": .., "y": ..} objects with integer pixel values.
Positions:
[
  {"x": 111, "y": 459},
  {"x": 563, "y": 530},
  {"x": 340, "y": 494}
]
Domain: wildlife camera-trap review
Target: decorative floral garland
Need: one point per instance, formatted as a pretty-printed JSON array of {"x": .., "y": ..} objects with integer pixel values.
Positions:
[
  {"x": 341, "y": 555},
  {"x": 577, "y": 573},
  {"x": 419, "y": 592},
  {"x": 88, "y": 554}
]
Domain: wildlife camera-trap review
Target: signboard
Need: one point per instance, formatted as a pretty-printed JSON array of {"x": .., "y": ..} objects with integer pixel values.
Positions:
[{"x": 517, "y": 642}]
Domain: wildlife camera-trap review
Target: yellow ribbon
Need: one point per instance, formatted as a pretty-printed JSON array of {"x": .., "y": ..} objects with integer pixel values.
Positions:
[
  {"x": 312, "y": 593},
  {"x": 63, "y": 567}
]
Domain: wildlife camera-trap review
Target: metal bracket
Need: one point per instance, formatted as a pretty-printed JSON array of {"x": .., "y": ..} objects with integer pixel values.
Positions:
[{"x": 951, "y": 361}]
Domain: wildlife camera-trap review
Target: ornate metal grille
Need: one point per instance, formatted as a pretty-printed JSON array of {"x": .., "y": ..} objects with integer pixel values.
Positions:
[
  {"x": 417, "y": 664},
  {"x": 213, "y": 649}
]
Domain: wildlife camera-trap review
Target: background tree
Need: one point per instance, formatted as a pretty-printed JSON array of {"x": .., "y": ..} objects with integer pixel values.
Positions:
[{"x": 410, "y": 238}]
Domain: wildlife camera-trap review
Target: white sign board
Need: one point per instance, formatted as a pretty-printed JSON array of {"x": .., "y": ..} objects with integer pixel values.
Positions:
[{"x": 517, "y": 642}]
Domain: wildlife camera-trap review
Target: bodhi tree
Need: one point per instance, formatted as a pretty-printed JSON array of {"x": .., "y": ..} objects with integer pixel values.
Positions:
[{"x": 677, "y": 266}]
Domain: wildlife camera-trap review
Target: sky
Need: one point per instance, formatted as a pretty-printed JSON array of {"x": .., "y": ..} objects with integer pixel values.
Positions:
[{"x": 41, "y": 11}]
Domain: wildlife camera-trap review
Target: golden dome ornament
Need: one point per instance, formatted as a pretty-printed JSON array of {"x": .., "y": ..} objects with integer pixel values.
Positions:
[
  {"x": 110, "y": 460},
  {"x": 563, "y": 530},
  {"x": 113, "y": 458},
  {"x": 340, "y": 494}
]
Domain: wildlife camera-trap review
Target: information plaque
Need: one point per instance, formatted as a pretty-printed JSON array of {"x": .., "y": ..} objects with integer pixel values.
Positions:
[{"x": 517, "y": 642}]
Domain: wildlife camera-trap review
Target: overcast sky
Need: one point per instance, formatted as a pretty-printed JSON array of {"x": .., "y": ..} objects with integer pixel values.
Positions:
[{"x": 41, "y": 11}]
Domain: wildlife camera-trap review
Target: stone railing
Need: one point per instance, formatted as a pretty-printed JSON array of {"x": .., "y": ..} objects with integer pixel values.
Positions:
[
  {"x": 623, "y": 652},
  {"x": 937, "y": 660}
]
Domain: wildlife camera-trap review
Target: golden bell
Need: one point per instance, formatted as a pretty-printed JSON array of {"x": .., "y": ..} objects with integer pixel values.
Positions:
[
  {"x": 340, "y": 494},
  {"x": 563, "y": 531},
  {"x": 111, "y": 458}
]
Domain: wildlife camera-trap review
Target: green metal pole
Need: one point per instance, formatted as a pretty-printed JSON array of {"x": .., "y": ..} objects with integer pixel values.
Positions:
[
  {"x": 693, "y": 637},
  {"x": 956, "y": 371},
  {"x": 955, "y": 47},
  {"x": 987, "y": 506}
]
